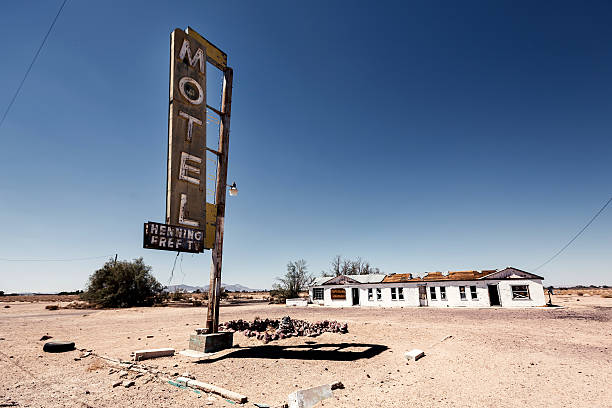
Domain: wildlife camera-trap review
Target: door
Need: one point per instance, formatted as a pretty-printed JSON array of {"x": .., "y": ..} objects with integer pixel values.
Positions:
[
  {"x": 422, "y": 295},
  {"x": 355, "y": 296},
  {"x": 494, "y": 295}
]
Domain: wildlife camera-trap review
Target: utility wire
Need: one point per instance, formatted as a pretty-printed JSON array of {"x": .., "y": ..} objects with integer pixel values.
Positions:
[
  {"x": 576, "y": 236},
  {"x": 32, "y": 63},
  {"x": 55, "y": 260}
]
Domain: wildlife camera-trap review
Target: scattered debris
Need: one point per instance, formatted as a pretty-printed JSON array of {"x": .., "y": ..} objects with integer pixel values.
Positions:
[
  {"x": 45, "y": 337},
  {"x": 150, "y": 336},
  {"x": 414, "y": 354},
  {"x": 7, "y": 307},
  {"x": 128, "y": 383},
  {"x": 123, "y": 374},
  {"x": 152, "y": 353},
  {"x": 118, "y": 383},
  {"x": 312, "y": 396},
  {"x": 231, "y": 395},
  {"x": 337, "y": 386},
  {"x": 261, "y": 405},
  {"x": 195, "y": 354},
  {"x": 58, "y": 346},
  {"x": 442, "y": 340},
  {"x": 273, "y": 329},
  {"x": 52, "y": 307}
]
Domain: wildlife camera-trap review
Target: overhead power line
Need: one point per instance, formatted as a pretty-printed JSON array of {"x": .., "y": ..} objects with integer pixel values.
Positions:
[
  {"x": 55, "y": 260},
  {"x": 576, "y": 236},
  {"x": 8, "y": 108}
]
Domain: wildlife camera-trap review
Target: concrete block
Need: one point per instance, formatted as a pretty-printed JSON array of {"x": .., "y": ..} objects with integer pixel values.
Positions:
[
  {"x": 414, "y": 354},
  {"x": 209, "y": 343},
  {"x": 296, "y": 302},
  {"x": 153, "y": 353},
  {"x": 310, "y": 397}
]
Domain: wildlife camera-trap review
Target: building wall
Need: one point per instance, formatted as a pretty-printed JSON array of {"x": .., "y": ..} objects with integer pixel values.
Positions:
[{"x": 453, "y": 297}]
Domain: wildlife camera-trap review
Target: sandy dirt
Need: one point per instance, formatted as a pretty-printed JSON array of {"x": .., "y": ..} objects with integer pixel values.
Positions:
[{"x": 495, "y": 358}]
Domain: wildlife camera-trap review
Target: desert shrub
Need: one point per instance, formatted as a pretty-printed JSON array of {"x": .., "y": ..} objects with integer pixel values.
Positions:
[
  {"x": 123, "y": 284},
  {"x": 296, "y": 280},
  {"x": 177, "y": 296}
]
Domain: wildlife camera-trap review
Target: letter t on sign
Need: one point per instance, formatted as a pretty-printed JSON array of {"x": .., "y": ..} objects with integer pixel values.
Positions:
[{"x": 190, "y": 121}]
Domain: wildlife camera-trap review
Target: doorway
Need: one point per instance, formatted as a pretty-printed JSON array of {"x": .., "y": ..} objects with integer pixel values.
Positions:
[
  {"x": 422, "y": 295},
  {"x": 355, "y": 296},
  {"x": 494, "y": 295}
]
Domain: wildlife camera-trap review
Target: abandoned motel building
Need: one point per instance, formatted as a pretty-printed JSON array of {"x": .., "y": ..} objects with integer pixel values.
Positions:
[{"x": 509, "y": 287}]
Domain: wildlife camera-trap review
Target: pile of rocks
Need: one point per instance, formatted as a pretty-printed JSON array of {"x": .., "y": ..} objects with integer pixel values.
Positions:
[{"x": 273, "y": 329}]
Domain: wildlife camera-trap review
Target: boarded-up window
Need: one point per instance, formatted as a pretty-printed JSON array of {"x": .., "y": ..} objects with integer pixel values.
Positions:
[
  {"x": 338, "y": 294},
  {"x": 520, "y": 292},
  {"x": 317, "y": 293}
]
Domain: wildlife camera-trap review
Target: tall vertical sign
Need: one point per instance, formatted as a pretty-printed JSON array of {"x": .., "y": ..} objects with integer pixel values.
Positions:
[{"x": 186, "y": 185}]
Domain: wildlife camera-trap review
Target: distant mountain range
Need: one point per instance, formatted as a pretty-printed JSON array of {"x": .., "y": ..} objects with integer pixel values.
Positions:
[{"x": 228, "y": 288}]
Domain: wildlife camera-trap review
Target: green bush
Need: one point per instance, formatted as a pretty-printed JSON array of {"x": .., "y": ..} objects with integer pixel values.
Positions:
[{"x": 123, "y": 284}]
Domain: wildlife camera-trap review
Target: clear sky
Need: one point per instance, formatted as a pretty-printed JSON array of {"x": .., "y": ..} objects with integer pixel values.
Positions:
[{"x": 421, "y": 136}]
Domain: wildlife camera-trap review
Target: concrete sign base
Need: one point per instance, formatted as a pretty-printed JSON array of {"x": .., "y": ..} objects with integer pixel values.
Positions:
[{"x": 209, "y": 343}]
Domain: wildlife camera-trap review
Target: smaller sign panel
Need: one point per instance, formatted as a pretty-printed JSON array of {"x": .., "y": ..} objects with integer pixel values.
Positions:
[
  {"x": 173, "y": 238},
  {"x": 338, "y": 294}
]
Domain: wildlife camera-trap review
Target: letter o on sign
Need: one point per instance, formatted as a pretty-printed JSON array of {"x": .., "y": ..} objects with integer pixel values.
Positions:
[{"x": 191, "y": 90}]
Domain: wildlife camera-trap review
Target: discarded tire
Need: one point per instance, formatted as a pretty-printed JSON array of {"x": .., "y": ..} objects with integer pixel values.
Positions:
[{"x": 58, "y": 346}]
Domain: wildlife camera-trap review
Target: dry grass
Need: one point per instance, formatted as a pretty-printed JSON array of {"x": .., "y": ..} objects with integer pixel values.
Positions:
[{"x": 603, "y": 292}]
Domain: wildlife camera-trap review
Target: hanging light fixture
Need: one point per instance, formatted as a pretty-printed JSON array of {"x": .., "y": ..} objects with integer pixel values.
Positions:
[{"x": 233, "y": 190}]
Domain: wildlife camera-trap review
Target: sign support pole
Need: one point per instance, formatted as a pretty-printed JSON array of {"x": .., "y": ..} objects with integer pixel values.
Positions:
[{"x": 214, "y": 291}]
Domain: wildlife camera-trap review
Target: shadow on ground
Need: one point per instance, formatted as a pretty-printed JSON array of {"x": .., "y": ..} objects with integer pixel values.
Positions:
[{"x": 330, "y": 352}]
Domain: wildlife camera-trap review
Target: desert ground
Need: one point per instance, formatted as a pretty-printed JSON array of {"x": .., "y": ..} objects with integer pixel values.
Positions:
[{"x": 540, "y": 357}]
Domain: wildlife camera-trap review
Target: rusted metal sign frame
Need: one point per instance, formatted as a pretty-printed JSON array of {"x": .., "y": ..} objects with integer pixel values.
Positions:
[{"x": 218, "y": 59}]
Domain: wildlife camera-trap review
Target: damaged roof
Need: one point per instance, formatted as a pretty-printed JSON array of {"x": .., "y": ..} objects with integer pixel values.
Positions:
[{"x": 506, "y": 273}]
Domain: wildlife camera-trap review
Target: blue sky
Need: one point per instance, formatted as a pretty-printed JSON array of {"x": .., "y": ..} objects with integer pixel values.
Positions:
[{"x": 421, "y": 136}]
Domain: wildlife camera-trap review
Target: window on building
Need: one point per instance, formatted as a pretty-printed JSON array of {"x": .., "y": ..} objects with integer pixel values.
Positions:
[
  {"x": 378, "y": 294},
  {"x": 393, "y": 294},
  {"x": 317, "y": 294},
  {"x": 473, "y": 293},
  {"x": 432, "y": 292},
  {"x": 520, "y": 292},
  {"x": 442, "y": 293},
  {"x": 400, "y": 293},
  {"x": 462, "y": 293},
  {"x": 370, "y": 294}
]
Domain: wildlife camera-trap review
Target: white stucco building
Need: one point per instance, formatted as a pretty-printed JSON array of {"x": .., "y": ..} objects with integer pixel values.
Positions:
[{"x": 509, "y": 287}]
